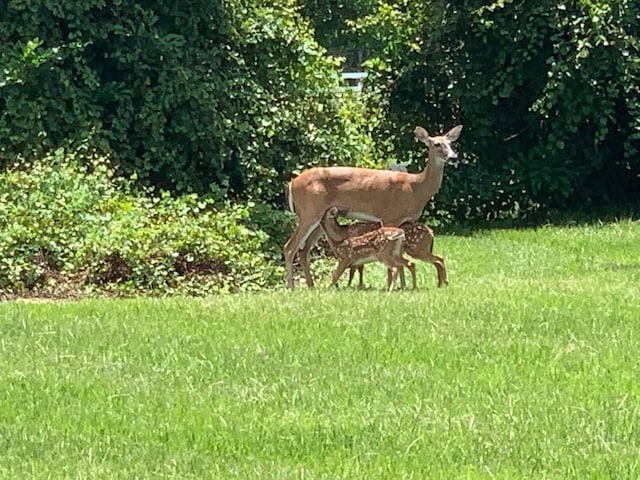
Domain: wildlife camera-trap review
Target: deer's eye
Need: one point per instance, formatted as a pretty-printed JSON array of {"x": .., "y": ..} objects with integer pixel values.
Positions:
[{"x": 436, "y": 144}]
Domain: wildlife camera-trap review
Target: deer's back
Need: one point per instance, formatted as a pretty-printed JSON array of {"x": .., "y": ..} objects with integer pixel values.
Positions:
[
  {"x": 360, "y": 228},
  {"x": 375, "y": 193}
]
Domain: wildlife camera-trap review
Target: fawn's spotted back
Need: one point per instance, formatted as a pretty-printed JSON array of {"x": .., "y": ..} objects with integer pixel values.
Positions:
[
  {"x": 414, "y": 232},
  {"x": 369, "y": 243}
]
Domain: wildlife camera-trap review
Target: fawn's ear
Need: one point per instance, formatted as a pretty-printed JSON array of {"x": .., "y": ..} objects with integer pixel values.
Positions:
[{"x": 333, "y": 212}]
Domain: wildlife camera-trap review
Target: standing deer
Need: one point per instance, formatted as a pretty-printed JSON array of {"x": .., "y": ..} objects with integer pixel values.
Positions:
[
  {"x": 384, "y": 244},
  {"x": 387, "y": 197}
]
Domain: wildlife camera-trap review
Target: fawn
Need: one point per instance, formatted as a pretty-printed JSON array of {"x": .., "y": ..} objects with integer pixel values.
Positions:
[
  {"x": 418, "y": 244},
  {"x": 384, "y": 244}
]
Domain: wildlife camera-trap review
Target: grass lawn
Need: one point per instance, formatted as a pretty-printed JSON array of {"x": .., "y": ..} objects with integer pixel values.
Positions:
[{"x": 526, "y": 366}]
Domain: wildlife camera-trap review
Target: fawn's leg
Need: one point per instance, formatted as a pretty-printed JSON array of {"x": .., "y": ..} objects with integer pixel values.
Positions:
[
  {"x": 412, "y": 268},
  {"x": 342, "y": 266},
  {"x": 438, "y": 262},
  {"x": 352, "y": 271},
  {"x": 392, "y": 274},
  {"x": 403, "y": 284},
  {"x": 441, "y": 270},
  {"x": 423, "y": 251},
  {"x": 401, "y": 274}
]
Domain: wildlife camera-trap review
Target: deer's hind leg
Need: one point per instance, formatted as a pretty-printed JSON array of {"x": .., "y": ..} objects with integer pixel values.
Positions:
[
  {"x": 352, "y": 271},
  {"x": 423, "y": 250},
  {"x": 304, "y": 232}
]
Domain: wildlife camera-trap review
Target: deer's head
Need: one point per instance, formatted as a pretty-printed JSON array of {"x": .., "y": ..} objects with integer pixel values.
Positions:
[{"x": 440, "y": 147}]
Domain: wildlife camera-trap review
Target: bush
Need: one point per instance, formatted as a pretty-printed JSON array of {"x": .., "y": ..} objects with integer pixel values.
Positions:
[
  {"x": 69, "y": 229},
  {"x": 223, "y": 98}
]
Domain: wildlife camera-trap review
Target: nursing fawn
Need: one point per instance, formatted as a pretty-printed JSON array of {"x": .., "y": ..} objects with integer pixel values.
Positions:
[{"x": 383, "y": 244}]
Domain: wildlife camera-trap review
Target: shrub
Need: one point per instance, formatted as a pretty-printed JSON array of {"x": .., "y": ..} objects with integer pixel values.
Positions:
[{"x": 69, "y": 229}]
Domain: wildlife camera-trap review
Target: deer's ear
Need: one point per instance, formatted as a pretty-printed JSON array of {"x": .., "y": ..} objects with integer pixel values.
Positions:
[
  {"x": 333, "y": 211},
  {"x": 421, "y": 135},
  {"x": 453, "y": 134}
]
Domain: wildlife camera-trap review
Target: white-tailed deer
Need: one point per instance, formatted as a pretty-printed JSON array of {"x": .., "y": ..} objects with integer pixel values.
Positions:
[
  {"x": 388, "y": 197},
  {"x": 384, "y": 244},
  {"x": 418, "y": 244}
]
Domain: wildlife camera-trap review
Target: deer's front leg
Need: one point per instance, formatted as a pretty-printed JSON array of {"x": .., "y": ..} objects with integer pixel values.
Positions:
[
  {"x": 342, "y": 266},
  {"x": 303, "y": 254}
]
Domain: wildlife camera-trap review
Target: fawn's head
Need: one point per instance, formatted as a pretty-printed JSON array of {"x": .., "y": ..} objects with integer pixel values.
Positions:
[
  {"x": 335, "y": 212},
  {"x": 440, "y": 146},
  {"x": 331, "y": 213}
]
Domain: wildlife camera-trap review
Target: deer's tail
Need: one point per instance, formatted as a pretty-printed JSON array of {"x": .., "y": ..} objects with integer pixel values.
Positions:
[{"x": 289, "y": 196}]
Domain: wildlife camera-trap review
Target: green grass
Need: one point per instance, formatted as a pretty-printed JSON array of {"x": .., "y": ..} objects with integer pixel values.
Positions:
[{"x": 526, "y": 366}]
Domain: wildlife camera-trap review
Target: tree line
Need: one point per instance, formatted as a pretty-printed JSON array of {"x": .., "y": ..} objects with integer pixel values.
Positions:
[{"x": 230, "y": 98}]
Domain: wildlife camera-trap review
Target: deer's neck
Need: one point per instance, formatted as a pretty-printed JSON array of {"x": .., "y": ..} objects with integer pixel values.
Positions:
[{"x": 429, "y": 180}]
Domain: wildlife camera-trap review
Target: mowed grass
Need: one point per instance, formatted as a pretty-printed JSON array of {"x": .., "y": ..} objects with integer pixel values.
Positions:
[{"x": 526, "y": 366}]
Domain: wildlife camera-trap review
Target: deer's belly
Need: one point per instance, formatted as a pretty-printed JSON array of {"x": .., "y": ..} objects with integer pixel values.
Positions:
[
  {"x": 362, "y": 260},
  {"x": 367, "y": 217}
]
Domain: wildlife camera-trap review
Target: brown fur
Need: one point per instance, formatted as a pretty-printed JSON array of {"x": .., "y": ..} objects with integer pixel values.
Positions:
[{"x": 389, "y": 197}]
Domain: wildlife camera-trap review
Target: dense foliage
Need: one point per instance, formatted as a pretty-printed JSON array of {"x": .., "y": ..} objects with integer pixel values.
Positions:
[
  {"x": 549, "y": 93},
  {"x": 68, "y": 230},
  {"x": 333, "y": 23},
  {"x": 227, "y": 98},
  {"x": 231, "y": 98}
]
